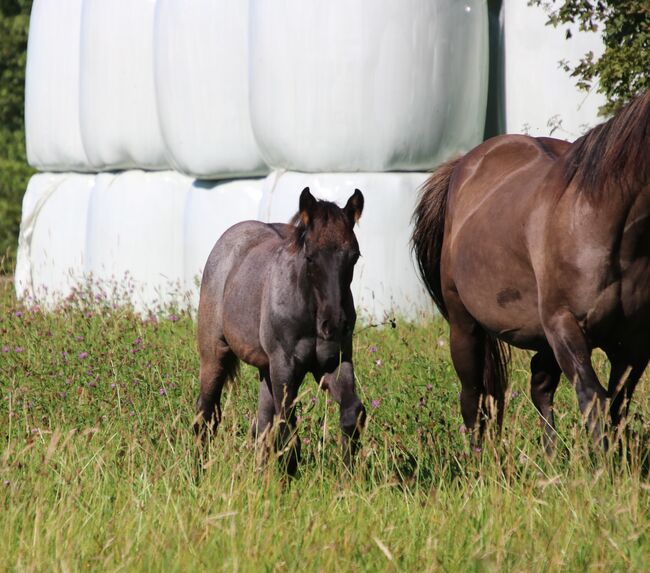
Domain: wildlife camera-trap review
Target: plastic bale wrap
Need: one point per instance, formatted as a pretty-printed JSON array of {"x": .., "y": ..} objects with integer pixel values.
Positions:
[
  {"x": 385, "y": 280},
  {"x": 370, "y": 85},
  {"x": 540, "y": 97},
  {"x": 135, "y": 237},
  {"x": 52, "y": 128},
  {"x": 119, "y": 117},
  {"x": 211, "y": 208},
  {"x": 201, "y": 71},
  {"x": 52, "y": 243}
]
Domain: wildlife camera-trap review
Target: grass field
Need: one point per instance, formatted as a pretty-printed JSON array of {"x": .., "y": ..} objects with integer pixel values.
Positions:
[{"x": 98, "y": 466}]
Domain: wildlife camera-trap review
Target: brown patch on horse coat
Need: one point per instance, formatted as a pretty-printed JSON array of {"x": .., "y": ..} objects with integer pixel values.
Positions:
[{"x": 508, "y": 295}]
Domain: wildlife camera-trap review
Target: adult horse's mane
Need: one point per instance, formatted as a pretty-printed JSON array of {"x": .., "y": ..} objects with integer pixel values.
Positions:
[{"x": 615, "y": 152}]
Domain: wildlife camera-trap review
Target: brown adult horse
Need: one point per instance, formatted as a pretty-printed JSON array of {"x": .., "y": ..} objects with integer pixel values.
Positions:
[
  {"x": 544, "y": 245},
  {"x": 278, "y": 297}
]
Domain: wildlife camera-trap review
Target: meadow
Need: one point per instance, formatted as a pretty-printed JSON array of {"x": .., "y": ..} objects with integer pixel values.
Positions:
[{"x": 99, "y": 468}]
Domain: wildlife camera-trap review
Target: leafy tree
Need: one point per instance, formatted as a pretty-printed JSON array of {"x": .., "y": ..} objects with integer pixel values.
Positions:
[
  {"x": 622, "y": 72},
  {"x": 14, "y": 172}
]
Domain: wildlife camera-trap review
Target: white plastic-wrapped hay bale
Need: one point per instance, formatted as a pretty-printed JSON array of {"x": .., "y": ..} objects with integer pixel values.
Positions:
[
  {"x": 540, "y": 97},
  {"x": 52, "y": 129},
  {"x": 201, "y": 71},
  {"x": 211, "y": 208},
  {"x": 52, "y": 243},
  {"x": 135, "y": 236},
  {"x": 385, "y": 281},
  {"x": 370, "y": 85},
  {"x": 119, "y": 117}
]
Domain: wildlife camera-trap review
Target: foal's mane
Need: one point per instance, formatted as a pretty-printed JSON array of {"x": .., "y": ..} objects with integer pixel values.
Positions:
[
  {"x": 324, "y": 211},
  {"x": 615, "y": 152}
]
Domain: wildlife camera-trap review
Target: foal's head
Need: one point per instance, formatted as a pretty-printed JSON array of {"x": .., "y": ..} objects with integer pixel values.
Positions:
[{"x": 325, "y": 240}]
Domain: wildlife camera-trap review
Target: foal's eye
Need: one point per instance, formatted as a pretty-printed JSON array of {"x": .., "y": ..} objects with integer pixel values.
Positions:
[{"x": 309, "y": 259}]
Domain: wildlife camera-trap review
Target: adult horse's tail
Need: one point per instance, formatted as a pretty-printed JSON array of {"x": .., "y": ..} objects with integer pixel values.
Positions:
[
  {"x": 429, "y": 223},
  {"x": 428, "y": 233}
]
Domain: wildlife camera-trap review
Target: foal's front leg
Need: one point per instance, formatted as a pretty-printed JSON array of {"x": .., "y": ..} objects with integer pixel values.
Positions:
[
  {"x": 341, "y": 386},
  {"x": 285, "y": 380}
]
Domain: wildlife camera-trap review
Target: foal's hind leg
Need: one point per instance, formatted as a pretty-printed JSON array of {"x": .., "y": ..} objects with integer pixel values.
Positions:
[
  {"x": 216, "y": 367},
  {"x": 468, "y": 345},
  {"x": 545, "y": 376}
]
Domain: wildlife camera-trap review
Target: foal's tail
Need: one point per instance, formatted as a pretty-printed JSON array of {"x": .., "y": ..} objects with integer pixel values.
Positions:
[{"x": 429, "y": 228}]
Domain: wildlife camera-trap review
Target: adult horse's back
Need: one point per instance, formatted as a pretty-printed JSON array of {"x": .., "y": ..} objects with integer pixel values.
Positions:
[
  {"x": 544, "y": 245},
  {"x": 278, "y": 297}
]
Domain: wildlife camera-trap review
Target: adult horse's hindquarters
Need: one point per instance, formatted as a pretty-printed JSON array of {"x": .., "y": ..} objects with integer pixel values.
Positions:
[{"x": 544, "y": 245}]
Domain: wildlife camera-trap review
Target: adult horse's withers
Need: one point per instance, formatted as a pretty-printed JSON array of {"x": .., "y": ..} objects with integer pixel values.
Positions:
[
  {"x": 277, "y": 296},
  {"x": 544, "y": 245}
]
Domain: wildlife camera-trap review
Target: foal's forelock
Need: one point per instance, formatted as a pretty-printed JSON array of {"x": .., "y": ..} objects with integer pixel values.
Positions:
[
  {"x": 329, "y": 228},
  {"x": 615, "y": 154}
]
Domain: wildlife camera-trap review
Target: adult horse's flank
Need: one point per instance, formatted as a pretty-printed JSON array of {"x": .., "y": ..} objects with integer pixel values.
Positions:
[
  {"x": 278, "y": 297},
  {"x": 544, "y": 245}
]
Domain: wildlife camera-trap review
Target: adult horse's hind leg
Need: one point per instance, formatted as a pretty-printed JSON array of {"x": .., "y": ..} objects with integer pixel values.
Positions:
[
  {"x": 573, "y": 354},
  {"x": 217, "y": 367},
  {"x": 545, "y": 376},
  {"x": 623, "y": 378},
  {"x": 468, "y": 345}
]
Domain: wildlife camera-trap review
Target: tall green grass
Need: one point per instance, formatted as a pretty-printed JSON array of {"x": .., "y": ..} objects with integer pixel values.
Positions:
[{"x": 99, "y": 471}]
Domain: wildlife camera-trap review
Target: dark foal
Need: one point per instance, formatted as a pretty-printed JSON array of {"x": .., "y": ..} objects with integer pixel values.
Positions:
[
  {"x": 544, "y": 245},
  {"x": 278, "y": 297}
]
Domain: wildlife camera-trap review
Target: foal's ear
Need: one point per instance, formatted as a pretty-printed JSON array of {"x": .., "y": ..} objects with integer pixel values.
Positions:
[
  {"x": 306, "y": 206},
  {"x": 354, "y": 207}
]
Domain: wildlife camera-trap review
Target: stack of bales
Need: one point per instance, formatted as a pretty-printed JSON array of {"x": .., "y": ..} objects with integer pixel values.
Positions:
[{"x": 157, "y": 124}]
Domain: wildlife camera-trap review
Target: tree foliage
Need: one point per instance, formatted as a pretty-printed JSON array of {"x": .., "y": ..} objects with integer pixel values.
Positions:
[
  {"x": 14, "y": 171},
  {"x": 622, "y": 72}
]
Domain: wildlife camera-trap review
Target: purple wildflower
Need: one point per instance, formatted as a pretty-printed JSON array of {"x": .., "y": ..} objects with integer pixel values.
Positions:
[
  {"x": 19, "y": 313},
  {"x": 18, "y": 349},
  {"x": 162, "y": 391},
  {"x": 306, "y": 441},
  {"x": 174, "y": 318},
  {"x": 83, "y": 355},
  {"x": 514, "y": 394},
  {"x": 373, "y": 349},
  {"x": 113, "y": 385},
  {"x": 462, "y": 429},
  {"x": 375, "y": 403},
  {"x": 5, "y": 349}
]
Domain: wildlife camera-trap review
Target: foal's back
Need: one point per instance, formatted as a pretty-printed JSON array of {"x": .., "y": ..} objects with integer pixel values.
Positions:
[{"x": 232, "y": 287}]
